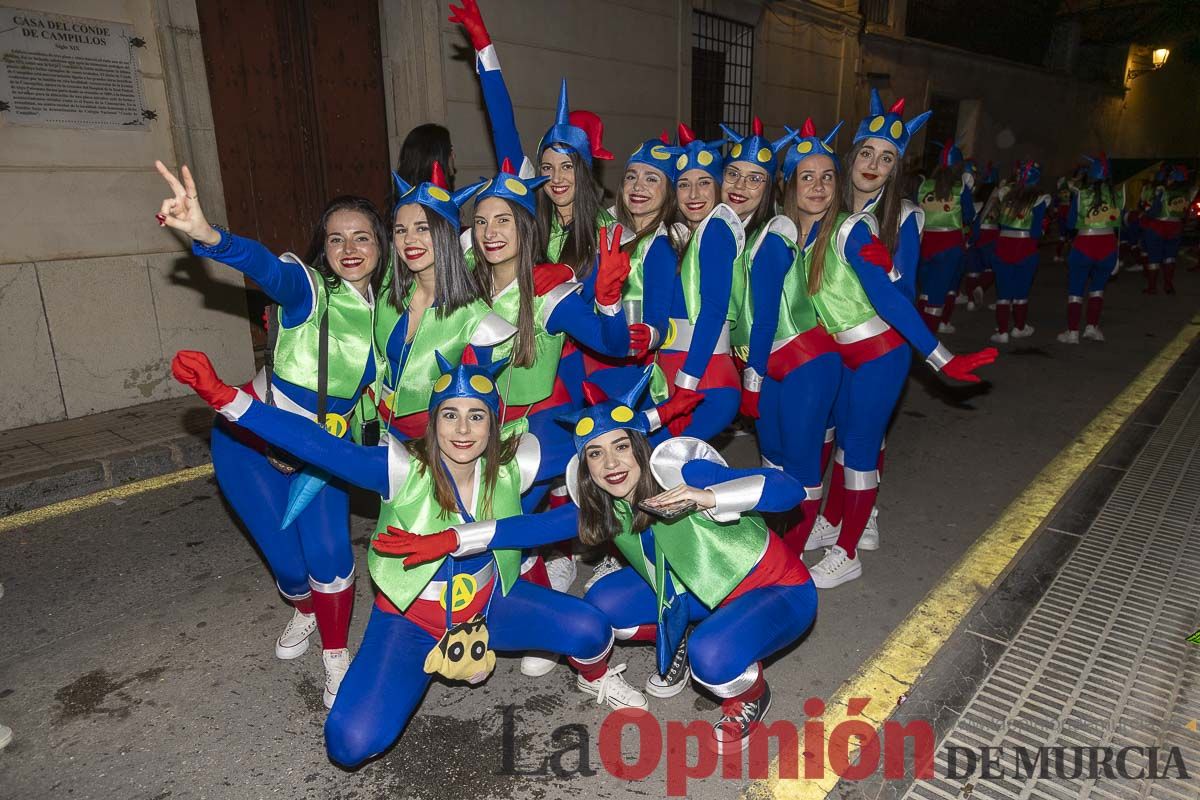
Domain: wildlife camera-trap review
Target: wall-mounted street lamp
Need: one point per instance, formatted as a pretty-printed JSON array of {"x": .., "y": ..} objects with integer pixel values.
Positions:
[{"x": 1157, "y": 59}]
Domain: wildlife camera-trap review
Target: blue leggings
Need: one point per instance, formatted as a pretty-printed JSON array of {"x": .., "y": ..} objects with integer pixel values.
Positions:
[
  {"x": 387, "y": 679},
  {"x": 865, "y": 401},
  {"x": 978, "y": 259},
  {"x": 1159, "y": 249},
  {"x": 940, "y": 274},
  {"x": 793, "y": 414},
  {"x": 1088, "y": 275},
  {"x": 1014, "y": 281},
  {"x": 316, "y": 545},
  {"x": 728, "y": 639}
]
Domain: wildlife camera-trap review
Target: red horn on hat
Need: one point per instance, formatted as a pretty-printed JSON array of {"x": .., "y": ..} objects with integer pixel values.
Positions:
[
  {"x": 897, "y": 107},
  {"x": 593, "y": 394},
  {"x": 808, "y": 130},
  {"x": 590, "y": 124},
  {"x": 665, "y": 136},
  {"x": 507, "y": 166},
  {"x": 437, "y": 177},
  {"x": 756, "y": 127},
  {"x": 686, "y": 136}
]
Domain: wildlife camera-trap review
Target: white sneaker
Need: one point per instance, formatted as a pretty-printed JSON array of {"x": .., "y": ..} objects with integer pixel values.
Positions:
[
  {"x": 870, "y": 535},
  {"x": 824, "y": 534},
  {"x": 835, "y": 569},
  {"x": 607, "y": 566},
  {"x": 1000, "y": 338},
  {"x": 991, "y": 306},
  {"x": 293, "y": 642},
  {"x": 562, "y": 571},
  {"x": 946, "y": 327},
  {"x": 535, "y": 665},
  {"x": 336, "y": 662},
  {"x": 959, "y": 299},
  {"x": 1069, "y": 337},
  {"x": 5, "y": 736},
  {"x": 1093, "y": 332},
  {"x": 1022, "y": 333},
  {"x": 611, "y": 688},
  {"x": 977, "y": 295}
]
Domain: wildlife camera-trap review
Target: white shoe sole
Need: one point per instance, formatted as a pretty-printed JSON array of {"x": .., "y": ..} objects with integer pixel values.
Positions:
[
  {"x": 537, "y": 666},
  {"x": 868, "y": 542},
  {"x": 736, "y": 745},
  {"x": 816, "y": 542},
  {"x": 295, "y": 651},
  {"x": 6, "y": 736},
  {"x": 663, "y": 692},
  {"x": 854, "y": 573},
  {"x": 327, "y": 698},
  {"x": 583, "y": 686}
]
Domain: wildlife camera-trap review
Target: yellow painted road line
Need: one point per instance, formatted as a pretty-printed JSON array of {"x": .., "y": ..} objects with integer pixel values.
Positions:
[
  {"x": 900, "y": 660},
  {"x": 36, "y": 515}
]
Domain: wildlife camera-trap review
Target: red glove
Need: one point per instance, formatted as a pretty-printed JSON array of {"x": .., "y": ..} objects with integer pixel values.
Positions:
[
  {"x": 749, "y": 404},
  {"x": 962, "y": 368},
  {"x": 876, "y": 252},
  {"x": 641, "y": 337},
  {"x": 418, "y": 549},
  {"x": 469, "y": 17},
  {"x": 547, "y": 276},
  {"x": 193, "y": 369},
  {"x": 267, "y": 319},
  {"x": 676, "y": 411},
  {"x": 614, "y": 268}
]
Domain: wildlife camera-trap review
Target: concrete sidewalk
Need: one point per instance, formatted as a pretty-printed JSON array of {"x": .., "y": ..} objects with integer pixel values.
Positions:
[{"x": 43, "y": 464}]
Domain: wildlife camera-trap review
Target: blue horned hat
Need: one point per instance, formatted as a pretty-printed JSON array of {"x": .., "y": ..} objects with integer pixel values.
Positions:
[
  {"x": 510, "y": 186},
  {"x": 603, "y": 415},
  {"x": 578, "y": 131},
  {"x": 467, "y": 380},
  {"x": 808, "y": 143},
  {"x": 698, "y": 154},
  {"x": 889, "y": 124},
  {"x": 949, "y": 154},
  {"x": 1029, "y": 173},
  {"x": 1097, "y": 168},
  {"x": 756, "y": 149},
  {"x": 657, "y": 153},
  {"x": 434, "y": 195}
]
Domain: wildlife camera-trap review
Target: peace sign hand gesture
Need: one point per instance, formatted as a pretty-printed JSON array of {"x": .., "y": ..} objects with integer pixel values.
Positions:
[{"x": 182, "y": 211}]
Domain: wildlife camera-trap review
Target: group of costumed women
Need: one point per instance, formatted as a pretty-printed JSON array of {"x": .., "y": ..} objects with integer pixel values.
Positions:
[{"x": 557, "y": 373}]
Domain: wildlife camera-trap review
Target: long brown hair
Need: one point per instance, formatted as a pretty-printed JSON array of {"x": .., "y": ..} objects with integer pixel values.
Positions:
[
  {"x": 529, "y": 247},
  {"x": 1019, "y": 200},
  {"x": 457, "y": 286},
  {"x": 887, "y": 209},
  {"x": 664, "y": 216},
  {"x": 946, "y": 180},
  {"x": 827, "y": 223},
  {"x": 597, "y": 521},
  {"x": 579, "y": 249},
  {"x": 496, "y": 453}
]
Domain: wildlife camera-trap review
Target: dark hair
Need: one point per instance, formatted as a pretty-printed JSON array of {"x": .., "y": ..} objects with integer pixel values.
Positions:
[
  {"x": 828, "y": 224},
  {"x": 1102, "y": 193},
  {"x": 457, "y": 285},
  {"x": 665, "y": 215},
  {"x": 765, "y": 210},
  {"x": 529, "y": 247},
  {"x": 315, "y": 257},
  {"x": 424, "y": 145},
  {"x": 597, "y": 522},
  {"x": 946, "y": 180},
  {"x": 887, "y": 208},
  {"x": 579, "y": 249},
  {"x": 1019, "y": 200},
  {"x": 496, "y": 453}
]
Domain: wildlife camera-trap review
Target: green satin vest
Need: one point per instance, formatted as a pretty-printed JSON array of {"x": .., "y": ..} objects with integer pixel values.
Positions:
[
  {"x": 558, "y": 234},
  {"x": 1111, "y": 204},
  {"x": 415, "y": 509},
  {"x": 296, "y": 350},
  {"x": 935, "y": 215},
  {"x": 707, "y": 558},
  {"x": 741, "y": 314},
  {"x": 797, "y": 314},
  {"x": 841, "y": 303},
  {"x": 523, "y": 386},
  {"x": 1174, "y": 203}
]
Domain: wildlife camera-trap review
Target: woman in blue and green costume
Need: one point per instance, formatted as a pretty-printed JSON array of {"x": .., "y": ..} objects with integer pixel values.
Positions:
[
  {"x": 433, "y": 302},
  {"x": 1163, "y": 226},
  {"x": 310, "y": 557},
  {"x": 720, "y": 568},
  {"x": 947, "y": 200},
  {"x": 793, "y": 370},
  {"x": 748, "y": 187},
  {"x": 446, "y": 598},
  {"x": 871, "y": 320},
  {"x": 696, "y": 357}
]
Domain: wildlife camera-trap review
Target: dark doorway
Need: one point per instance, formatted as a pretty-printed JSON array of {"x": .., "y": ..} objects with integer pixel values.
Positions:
[
  {"x": 942, "y": 125},
  {"x": 298, "y": 106}
]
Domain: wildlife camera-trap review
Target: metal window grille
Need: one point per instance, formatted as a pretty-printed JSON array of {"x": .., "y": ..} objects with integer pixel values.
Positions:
[
  {"x": 875, "y": 11},
  {"x": 722, "y": 72}
]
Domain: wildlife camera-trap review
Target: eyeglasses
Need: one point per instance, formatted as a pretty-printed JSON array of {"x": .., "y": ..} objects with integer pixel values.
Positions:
[{"x": 752, "y": 178}]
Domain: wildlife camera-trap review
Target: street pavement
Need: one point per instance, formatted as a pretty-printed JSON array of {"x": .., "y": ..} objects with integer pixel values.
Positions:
[{"x": 137, "y": 657}]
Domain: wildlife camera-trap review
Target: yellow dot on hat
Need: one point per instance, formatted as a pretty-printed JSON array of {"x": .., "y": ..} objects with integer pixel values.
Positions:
[
  {"x": 828, "y": 149},
  {"x": 482, "y": 384},
  {"x": 764, "y": 155},
  {"x": 804, "y": 147},
  {"x": 875, "y": 125},
  {"x": 584, "y": 426},
  {"x": 897, "y": 129},
  {"x": 622, "y": 414},
  {"x": 438, "y": 193},
  {"x": 705, "y": 158},
  {"x": 737, "y": 150},
  {"x": 681, "y": 162},
  {"x": 442, "y": 383},
  {"x": 659, "y": 153},
  {"x": 515, "y": 186}
]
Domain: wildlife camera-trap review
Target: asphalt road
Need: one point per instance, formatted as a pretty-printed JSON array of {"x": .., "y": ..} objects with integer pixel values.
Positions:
[{"x": 136, "y": 656}]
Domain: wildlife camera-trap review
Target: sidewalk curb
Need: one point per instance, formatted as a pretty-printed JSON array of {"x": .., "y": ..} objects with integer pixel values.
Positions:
[{"x": 68, "y": 481}]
